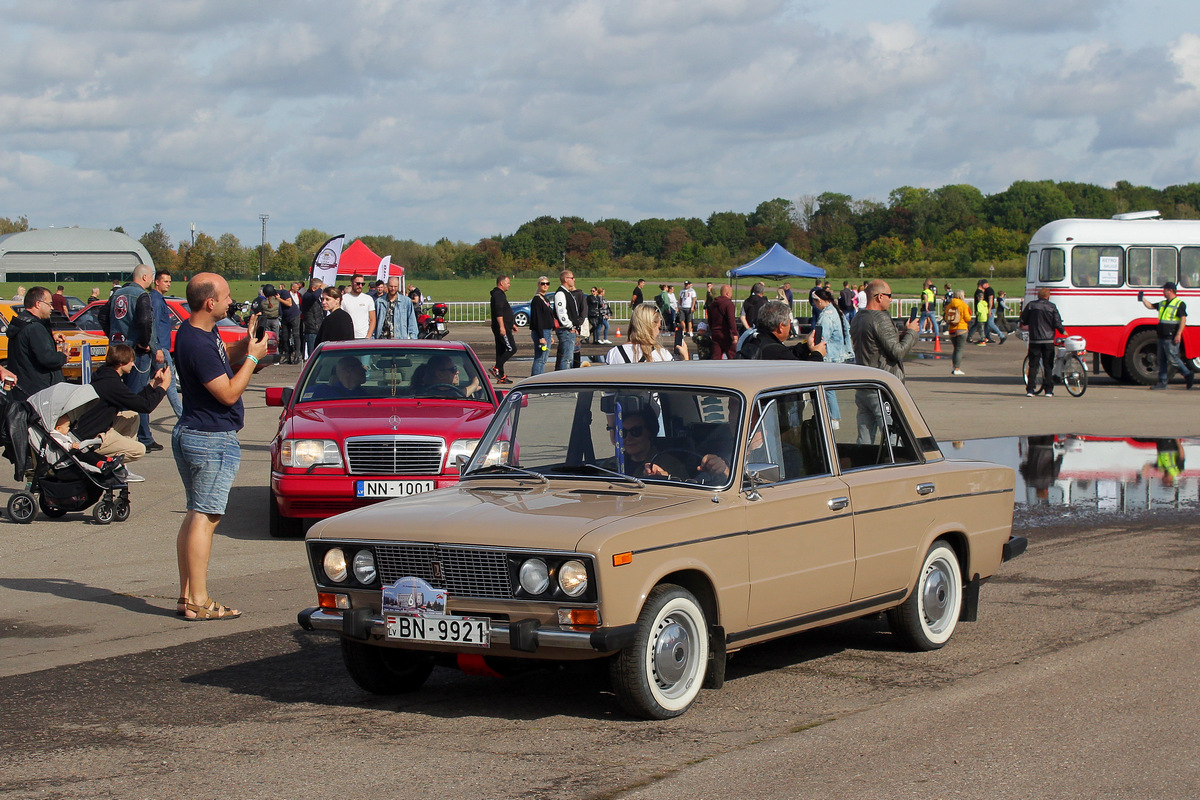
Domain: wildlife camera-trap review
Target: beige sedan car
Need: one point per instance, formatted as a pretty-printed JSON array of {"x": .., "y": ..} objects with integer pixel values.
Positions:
[{"x": 662, "y": 517}]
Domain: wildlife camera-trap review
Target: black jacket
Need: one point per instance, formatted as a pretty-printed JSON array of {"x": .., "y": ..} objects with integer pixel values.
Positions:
[
  {"x": 337, "y": 327},
  {"x": 541, "y": 313},
  {"x": 764, "y": 346},
  {"x": 33, "y": 354},
  {"x": 114, "y": 396},
  {"x": 1043, "y": 320},
  {"x": 143, "y": 323}
]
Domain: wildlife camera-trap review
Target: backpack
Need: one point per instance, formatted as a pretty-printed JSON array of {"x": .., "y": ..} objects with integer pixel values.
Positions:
[{"x": 952, "y": 315}]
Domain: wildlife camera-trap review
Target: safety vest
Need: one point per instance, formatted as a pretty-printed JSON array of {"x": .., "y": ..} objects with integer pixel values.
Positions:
[
  {"x": 1169, "y": 464},
  {"x": 121, "y": 313},
  {"x": 1168, "y": 312},
  {"x": 927, "y": 297}
]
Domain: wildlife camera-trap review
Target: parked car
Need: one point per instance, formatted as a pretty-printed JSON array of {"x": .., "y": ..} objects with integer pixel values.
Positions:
[
  {"x": 521, "y": 313},
  {"x": 75, "y": 337},
  {"x": 229, "y": 330},
  {"x": 662, "y": 517},
  {"x": 374, "y": 419}
]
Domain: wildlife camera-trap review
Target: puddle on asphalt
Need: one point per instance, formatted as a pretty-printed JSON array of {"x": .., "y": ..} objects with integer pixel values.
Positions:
[{"x": 1084, "y": 476}]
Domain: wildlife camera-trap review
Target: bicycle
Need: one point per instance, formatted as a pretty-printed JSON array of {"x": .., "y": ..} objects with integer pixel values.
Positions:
[{"x": 1069, "y": 366}]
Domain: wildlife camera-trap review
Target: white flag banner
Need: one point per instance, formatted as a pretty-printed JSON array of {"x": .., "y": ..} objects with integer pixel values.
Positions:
[
  {"x": 385, "y": 267},
  {"x": 325, "y": 263}
]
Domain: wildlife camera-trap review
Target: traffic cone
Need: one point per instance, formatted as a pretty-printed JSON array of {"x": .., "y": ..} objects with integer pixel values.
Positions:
[
  {"x": 618, "y": 333},
  {"x": 937, "y": 344}
]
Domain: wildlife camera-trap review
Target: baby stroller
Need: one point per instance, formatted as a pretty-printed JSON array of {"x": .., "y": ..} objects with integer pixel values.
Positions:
[{"x": 61, "y": 478}]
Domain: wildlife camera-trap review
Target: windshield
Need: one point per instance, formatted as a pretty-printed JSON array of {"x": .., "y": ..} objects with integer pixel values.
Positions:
[
  {"x": 386, "y": 373},
  {"x": 625, "y": 433}
]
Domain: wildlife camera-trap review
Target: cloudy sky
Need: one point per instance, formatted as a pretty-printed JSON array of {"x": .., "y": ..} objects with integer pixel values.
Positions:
[{"x": 426, "y": 119}]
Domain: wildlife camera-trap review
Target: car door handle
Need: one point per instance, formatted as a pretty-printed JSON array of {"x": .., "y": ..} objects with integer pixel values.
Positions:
[
  {"x": 925, "y": 488},
  {"x": 838, "y": 503}
]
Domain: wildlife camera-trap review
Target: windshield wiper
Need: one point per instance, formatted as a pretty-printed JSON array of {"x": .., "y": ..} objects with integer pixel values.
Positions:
[
  {"x": 507, "y": 468},
  {"x": 578, "y": 468}
]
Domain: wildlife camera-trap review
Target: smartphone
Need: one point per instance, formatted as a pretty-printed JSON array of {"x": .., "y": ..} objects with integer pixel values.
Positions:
[
  {"x": 259, "y": 333},
  {"x": 816, "y": 334},
  {"x": 912, "y": 315}
]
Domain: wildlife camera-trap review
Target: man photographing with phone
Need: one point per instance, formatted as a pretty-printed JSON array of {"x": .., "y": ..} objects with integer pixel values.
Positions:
[{"x": 873, "y": 333}]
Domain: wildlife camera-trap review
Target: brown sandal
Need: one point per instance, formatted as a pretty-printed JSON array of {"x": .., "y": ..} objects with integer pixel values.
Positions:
[
  {"x": 210, "y": 611},
  {"x": 180, "y": 604}
]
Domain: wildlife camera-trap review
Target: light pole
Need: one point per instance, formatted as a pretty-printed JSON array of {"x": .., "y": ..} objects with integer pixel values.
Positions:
[
  {"x": 861, "y": 266},
  {"x": 262, "y": 248}
]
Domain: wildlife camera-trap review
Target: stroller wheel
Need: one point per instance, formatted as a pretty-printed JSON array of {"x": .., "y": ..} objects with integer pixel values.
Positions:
[
  {"x": 121, "y": 510},
  {"x": 103, "y": 512},
  {"x": 54, "y": 512},
  {"x": 22, "y": 507}
]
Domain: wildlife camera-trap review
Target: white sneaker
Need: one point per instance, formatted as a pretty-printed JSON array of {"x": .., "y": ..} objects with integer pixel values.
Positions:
[
  {"x": 958, "y": 372},
  {"x": 132, "y": 477}
]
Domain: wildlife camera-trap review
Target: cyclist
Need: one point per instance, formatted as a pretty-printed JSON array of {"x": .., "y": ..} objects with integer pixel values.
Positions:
[{"x": 1042, "y": 320}]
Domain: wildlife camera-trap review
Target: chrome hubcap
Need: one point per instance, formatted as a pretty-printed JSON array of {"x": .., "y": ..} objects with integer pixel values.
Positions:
[
  {"x": 671, "y": 653},
  {"x": 936, "y": 595}
]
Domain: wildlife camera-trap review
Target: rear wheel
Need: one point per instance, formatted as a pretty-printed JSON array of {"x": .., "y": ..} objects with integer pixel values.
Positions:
[
  {"x": 1075, "y": 376},
  {"x": 22, "y": 507},
  {"x": 1037, "y": 385},
  {"x": 385, "y": 670},
  {"x": 928, "y": 618},
  {"x": 1141, "y": 357}
]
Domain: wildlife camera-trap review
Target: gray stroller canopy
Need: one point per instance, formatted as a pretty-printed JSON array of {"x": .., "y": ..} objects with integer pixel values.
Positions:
[{"x": 59, "y": 399}]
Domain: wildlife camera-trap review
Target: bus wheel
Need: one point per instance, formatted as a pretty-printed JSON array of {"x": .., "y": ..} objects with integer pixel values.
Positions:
[{"x": 1141, "y": 357}]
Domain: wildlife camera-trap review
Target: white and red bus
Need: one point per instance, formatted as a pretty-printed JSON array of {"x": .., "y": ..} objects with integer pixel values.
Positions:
[{"x": 1095, "y": 269}]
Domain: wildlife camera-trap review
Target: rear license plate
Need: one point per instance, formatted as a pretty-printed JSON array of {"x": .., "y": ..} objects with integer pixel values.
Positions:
[
  {"x": 97, "y": 352},
  {"x": 444, "y": 630},
  {"x": 391, "y": 488}
]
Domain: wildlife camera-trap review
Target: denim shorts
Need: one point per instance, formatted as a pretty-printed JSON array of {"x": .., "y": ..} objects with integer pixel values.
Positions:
[{"x": 208, "y": 462}]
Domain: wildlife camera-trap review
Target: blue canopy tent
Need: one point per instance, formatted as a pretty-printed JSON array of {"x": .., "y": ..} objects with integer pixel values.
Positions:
[{"x": 777, "y": 263}]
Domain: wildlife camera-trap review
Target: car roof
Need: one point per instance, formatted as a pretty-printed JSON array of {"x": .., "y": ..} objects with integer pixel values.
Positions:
[
  {"x": 748, "y": 377},
  {"x": 397, "y": 344}
]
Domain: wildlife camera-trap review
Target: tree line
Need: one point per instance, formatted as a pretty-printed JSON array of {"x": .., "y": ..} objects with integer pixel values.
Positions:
[{"x": 955, "y": 230}]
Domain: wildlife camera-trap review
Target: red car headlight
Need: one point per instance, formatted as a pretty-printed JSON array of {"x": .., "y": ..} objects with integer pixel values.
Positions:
[{"x": 305, "y": 453}]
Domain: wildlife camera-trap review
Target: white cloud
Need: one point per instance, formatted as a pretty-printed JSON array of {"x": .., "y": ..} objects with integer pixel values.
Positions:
[{"x": 465, "y": 119}]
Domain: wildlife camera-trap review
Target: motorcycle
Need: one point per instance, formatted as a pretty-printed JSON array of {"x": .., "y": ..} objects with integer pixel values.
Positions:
[{"x": 433, "y": 325}]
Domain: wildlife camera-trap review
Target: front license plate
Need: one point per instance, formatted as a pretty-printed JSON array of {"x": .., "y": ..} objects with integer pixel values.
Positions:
[
  {"x": 391, "y": 488},
  {"x": 445, "y": 630}
]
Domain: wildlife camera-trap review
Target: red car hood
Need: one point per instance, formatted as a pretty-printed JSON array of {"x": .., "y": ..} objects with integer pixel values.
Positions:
[{"x": 341, "y": 419}]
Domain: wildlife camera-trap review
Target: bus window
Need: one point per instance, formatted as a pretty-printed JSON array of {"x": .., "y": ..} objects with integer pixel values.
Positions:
[
  {"x": 1189, "y": 267},
  {"x": 1152, "y": 266},
  {"x": 1031, "y": 267},
  {"x": 1054, "y": 265},
  {"x": 1097, "y": 266}
]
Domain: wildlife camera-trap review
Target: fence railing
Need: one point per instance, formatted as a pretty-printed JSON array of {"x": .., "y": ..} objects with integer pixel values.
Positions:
[{"x": 467, "y": 311}]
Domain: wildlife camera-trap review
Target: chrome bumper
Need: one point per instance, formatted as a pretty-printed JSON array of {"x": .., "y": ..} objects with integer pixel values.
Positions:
[{"x": 526, "y": 635}]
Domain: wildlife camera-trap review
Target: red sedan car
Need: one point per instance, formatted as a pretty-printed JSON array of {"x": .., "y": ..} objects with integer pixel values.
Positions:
[
  {"x": 227, "y": 329},
  {"x": 373, "y": 419}
]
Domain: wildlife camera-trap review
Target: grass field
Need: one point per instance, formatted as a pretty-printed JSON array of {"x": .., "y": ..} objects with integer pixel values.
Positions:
[{"x": 479, "y": 289}]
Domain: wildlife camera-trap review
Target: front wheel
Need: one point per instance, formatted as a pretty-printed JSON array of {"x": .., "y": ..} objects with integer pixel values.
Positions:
[
  {"x": 103, "y": 512},
  {"x": 22, "y": 507},
  {"x": 521, "y": 319},
  {"x": 928, "y": 618},
  {"x": 660, "y": 674},
  {"x": 1074, "y": 375},
  {"x": 385, "y": 670}
]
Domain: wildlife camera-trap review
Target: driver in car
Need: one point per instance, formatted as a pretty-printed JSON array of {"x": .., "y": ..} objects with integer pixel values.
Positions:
[
  {"x": 349, "y": 377},
  {"x": 441, "y": 373},
  {"x": 639, "y": 431}
]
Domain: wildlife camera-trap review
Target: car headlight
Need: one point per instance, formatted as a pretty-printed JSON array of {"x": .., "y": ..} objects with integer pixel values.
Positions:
[
  {"x": 572, "y": 578},
  {"x": 535, "y": 576},
  {"x": 334, "y": 565},
  {"x": 462, "y": 447},
  {"x": 305, "y": 453},
  {"x": 364, "y": 567}
]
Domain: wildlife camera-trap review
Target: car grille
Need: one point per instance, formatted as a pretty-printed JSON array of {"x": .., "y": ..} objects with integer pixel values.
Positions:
[
  {"x": 395, "y": 455},
  {"x": 463, "y": 571}
]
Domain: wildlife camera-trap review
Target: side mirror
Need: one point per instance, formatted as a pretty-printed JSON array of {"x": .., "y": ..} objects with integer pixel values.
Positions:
[
  {"x": 461, "y": 463},
  {"x": 760, "y": 474},
  {"x": 278, "y": 395}
]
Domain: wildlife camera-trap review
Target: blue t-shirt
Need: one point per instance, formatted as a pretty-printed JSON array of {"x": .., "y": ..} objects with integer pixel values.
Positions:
[{"x": 199, "y": 357}]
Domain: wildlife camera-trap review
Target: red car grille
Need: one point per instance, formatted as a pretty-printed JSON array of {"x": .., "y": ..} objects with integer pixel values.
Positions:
[{"x": 395, "y": 455}]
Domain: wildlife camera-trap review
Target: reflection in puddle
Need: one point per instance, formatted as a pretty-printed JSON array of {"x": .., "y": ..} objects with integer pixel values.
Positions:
[{"x": 1095, "y": 473}]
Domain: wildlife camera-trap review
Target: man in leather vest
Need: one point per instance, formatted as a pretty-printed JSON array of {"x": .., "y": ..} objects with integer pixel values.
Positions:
[{"x": 128, "y": 318}]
